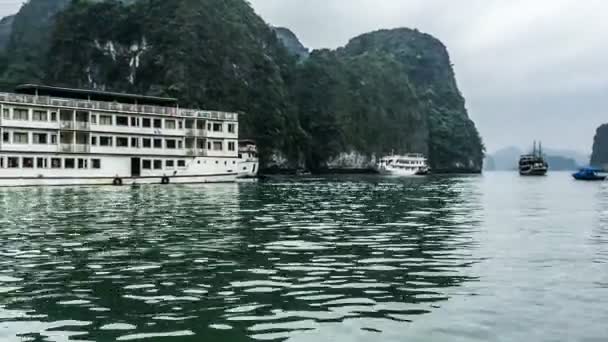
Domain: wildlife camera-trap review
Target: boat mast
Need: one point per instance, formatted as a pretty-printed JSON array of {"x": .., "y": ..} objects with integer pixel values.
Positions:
[{"x": 534, "y": 148}]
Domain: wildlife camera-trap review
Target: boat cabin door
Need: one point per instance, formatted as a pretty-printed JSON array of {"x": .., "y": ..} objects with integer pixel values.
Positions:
[{"x": 135, "y": 167}]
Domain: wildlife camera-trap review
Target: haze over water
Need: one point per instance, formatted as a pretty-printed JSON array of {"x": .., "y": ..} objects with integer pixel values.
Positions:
[{"x": 481, "y": 258}]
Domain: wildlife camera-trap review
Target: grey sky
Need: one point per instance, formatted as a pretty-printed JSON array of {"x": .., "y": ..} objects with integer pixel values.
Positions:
[{"x": 528, "y": 69}]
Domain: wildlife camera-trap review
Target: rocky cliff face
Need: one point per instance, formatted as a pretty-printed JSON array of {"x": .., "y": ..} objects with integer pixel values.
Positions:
[
  {"x": 599, "y": 158},
  {"x": 391, "y": 90},
  {"x": 28, "y": 42},
  {"x": 454, "y": 143},
  {"x": 6, "y": 27},
  {"x": 292, "y": 43}
]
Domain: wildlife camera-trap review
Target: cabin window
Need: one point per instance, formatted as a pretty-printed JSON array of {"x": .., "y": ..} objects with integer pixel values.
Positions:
[
  {"x": 28, "y": 163},
  {"x": 105, "y": 141},
  {"x": 217, "y": 127},
  {"x": 94, "y": 119},
  {"x": 209, "y": 145},
  {"x": 170, "y": 124},
  {"x": 158, "y": 123},
  {"x": 180, "y": 124},
  {"x": 231, "y": 128},
  {"x": 146, "y": 164},
  {"x": 231, "y": 146},
  {"x": 55, "y": 163},
  {"x": 83, "y": 163},
  {"x": 40, "y": 115},
  {"x": 170, "y": 164},
  {"x": 122, "y": 121},
  {"x": 158, "y": 165},
  {"x": 181, "y": 163},
  {"x": 96, "y": 163},
  {"x": 54, "y": 139},
  {"x": 41, "y": 163},
  {"x": 218, "y": 146},
  {"x": 20, "y": 138},
  {"x": 105, "y": 120},
  {"x": 135, "y": 142},
  {"x": 146, "y": 142},
  {"x": 134, "y": 122},
  {"x": 200, "y": 125},
  {"x": 122, "y": 142},
  {"x": 20, "y": 114},
  {"x": 13, "y": 162},
  {"x": 171, "y": 144},
  {"x": 146, "y": 123},
  {"x": 53, "y": 116},
  {"x": 180, "y": 144},
  {"x": 1, "y": 162},
  {"x": 6, "y": 137},
  {"x": 40, "y": 138},
  {"x": 209, "y": 126},
  {"x": 6, "y": 114},
  {"x": 69, "y": 163},
  {"x": 158, "y": 143},
  {"x": 93, "y": 141}
]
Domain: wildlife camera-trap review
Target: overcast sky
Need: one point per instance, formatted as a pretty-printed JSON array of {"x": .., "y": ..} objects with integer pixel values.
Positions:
[{"x": 528, "y": 69}]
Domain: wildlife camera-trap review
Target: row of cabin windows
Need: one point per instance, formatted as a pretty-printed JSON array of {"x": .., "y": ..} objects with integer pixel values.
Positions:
[
  {"x": 171, "y": 144},
  {"x": 49, "y": 163},
  {"x": 108, "y": 141},
  {"x": 22, "y": 114},
  {"x": 156, "y": 164},
  {"x": 23, "y": 138}
]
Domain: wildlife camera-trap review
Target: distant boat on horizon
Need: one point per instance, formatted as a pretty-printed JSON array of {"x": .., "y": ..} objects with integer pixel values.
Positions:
[{"x": 533, "y": 164}]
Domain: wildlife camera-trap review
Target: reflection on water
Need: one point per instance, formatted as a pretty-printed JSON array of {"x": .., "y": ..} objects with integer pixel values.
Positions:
[{"x": 298, "y": 260}]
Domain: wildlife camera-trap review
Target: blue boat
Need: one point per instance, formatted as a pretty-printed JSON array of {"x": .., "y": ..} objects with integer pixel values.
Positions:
[{"x": 589, "y": 174}]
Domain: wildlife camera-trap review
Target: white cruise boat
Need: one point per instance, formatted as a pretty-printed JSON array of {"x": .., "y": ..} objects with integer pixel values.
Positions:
[
  {"x": 62, "y": 136},
  {"x": 404, "y": 165},
  {"x": 249, "y": 164}
]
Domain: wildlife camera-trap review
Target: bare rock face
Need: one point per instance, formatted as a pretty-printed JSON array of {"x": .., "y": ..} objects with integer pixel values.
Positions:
[
  {"x": 599, "y": 158},
  {"x": 352, "y": 160}
]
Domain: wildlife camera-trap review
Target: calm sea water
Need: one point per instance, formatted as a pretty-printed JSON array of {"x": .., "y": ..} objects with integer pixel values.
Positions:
[{"x": 481, "y": 258}]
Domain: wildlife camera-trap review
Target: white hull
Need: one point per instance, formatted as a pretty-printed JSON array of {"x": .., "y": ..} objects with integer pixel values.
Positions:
[
  {"x": 120, "y": 170},
  {"x": 21, "y": 182},
  {"x": 248, "y": 169},
  {"x": 399, "y": 172}
]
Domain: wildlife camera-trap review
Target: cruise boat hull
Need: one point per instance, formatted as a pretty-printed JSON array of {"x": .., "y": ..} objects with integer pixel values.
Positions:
[
  {"x": 93, "y": 181},
  {"x": 117, "y": 171}
]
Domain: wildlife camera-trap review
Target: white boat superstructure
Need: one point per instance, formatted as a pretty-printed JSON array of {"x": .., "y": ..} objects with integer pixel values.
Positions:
[
  {"x": 249, "y": 164},
  {"x": 404, "y": 165},
  {"x": 62, "y": 136}
]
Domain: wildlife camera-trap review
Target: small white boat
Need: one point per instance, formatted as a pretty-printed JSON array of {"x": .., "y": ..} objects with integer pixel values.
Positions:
[
  {"x": 249, "y": 162},
  {"x": 404, "y": 165}
]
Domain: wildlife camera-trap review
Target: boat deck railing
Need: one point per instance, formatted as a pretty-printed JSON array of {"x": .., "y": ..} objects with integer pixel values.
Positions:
[{"x": 114, "y": 106}]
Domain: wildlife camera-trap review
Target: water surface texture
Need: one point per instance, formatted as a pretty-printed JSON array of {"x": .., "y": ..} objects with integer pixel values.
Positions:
[{"x": 481, "y": 258}]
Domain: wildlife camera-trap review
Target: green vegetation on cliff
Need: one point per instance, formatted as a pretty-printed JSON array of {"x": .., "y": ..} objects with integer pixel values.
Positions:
[
  {"x": 27, "y": 46},
  {"x": 384, "y": 91},
  {"x": 6, "y": 28}
]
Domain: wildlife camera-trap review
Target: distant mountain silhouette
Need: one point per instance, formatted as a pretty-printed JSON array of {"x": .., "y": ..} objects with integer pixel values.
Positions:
[{"x": 507, "y": 159}]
